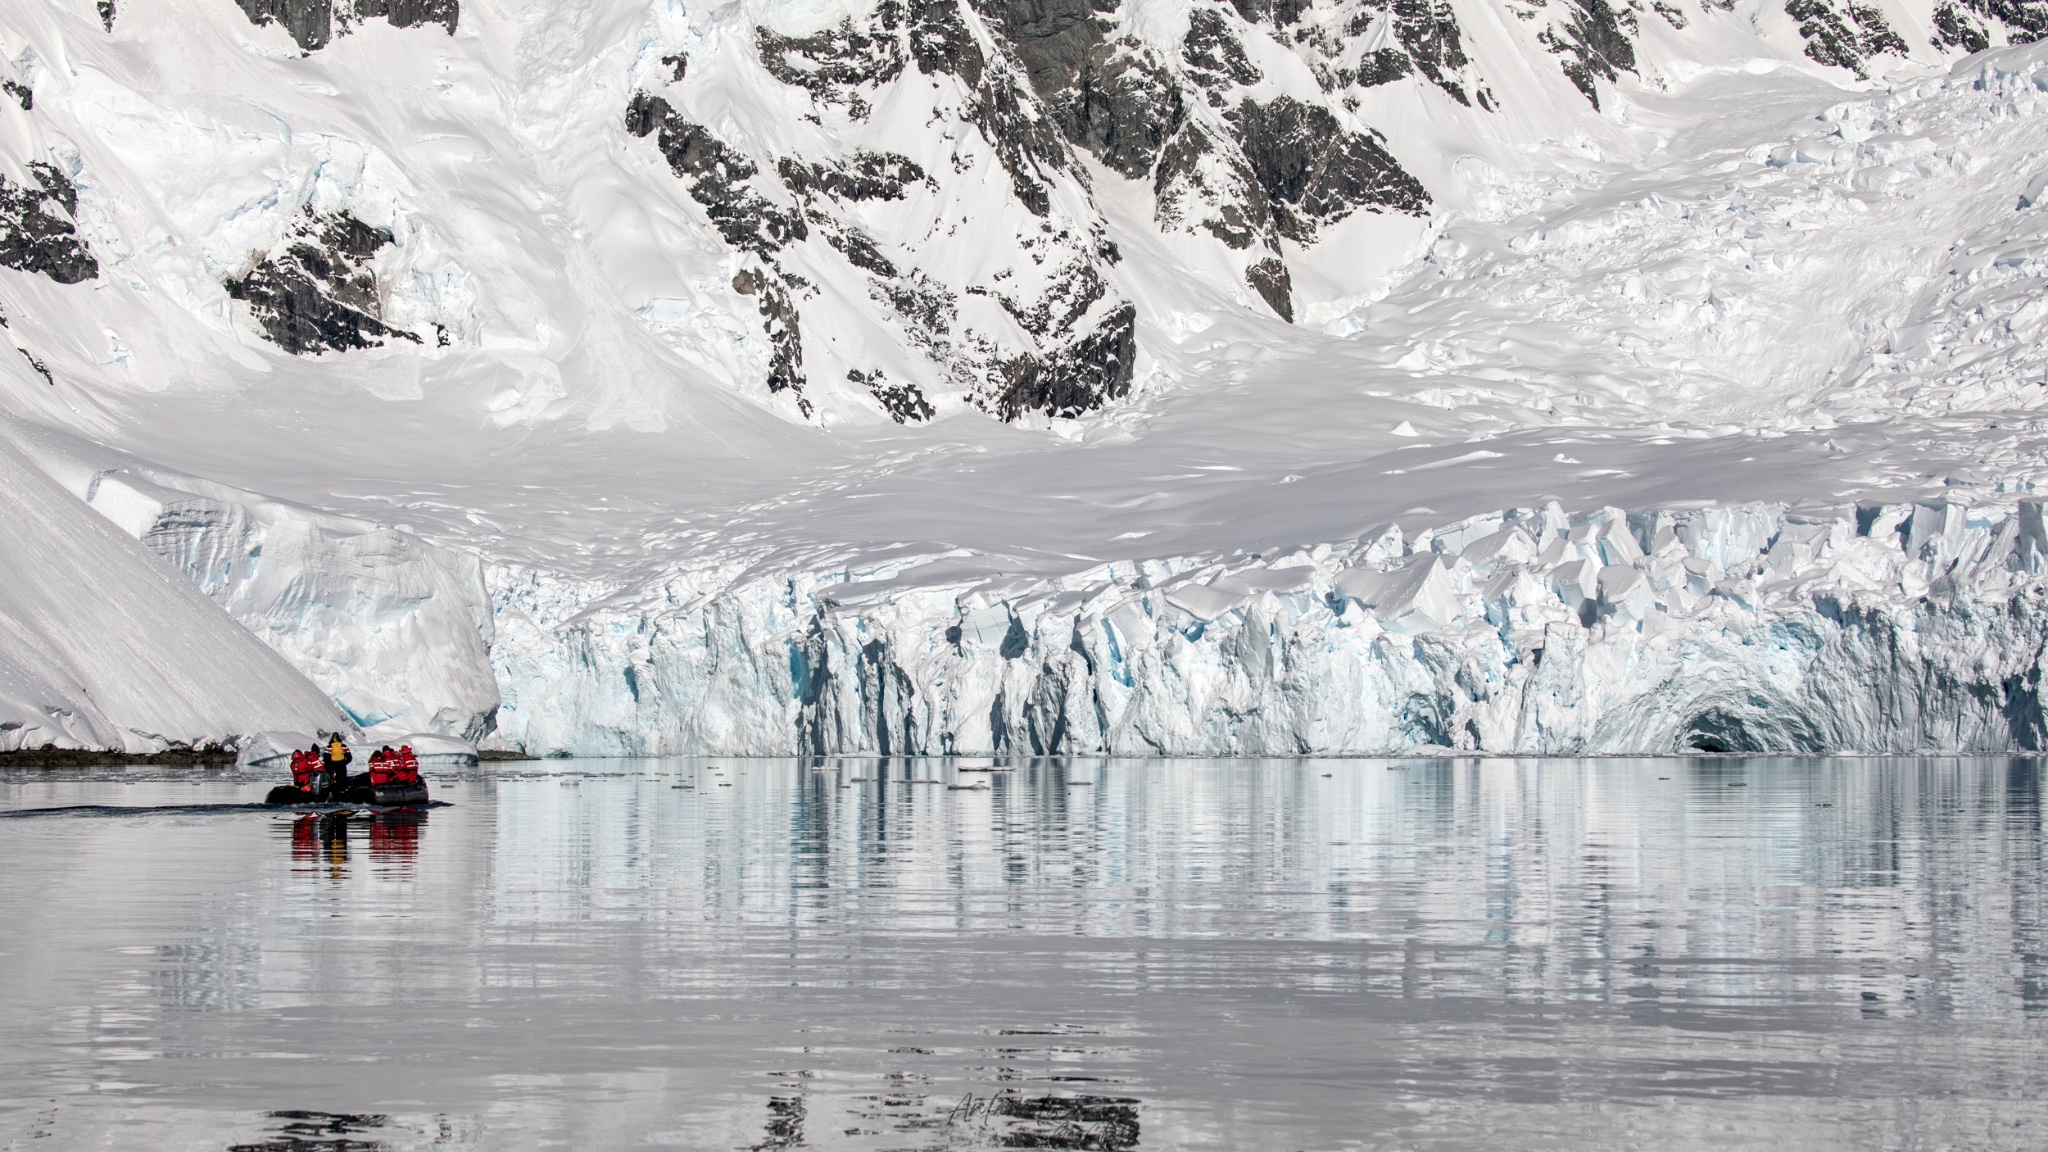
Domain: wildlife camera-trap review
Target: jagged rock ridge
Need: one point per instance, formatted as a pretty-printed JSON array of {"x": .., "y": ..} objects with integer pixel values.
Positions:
[{"x": 317, "y": 292}]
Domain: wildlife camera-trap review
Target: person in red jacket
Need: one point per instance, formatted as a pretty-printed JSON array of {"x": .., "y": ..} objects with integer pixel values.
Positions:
[
  {"x": 304, "y": 766},
  {"x": 408, "y": 765}
]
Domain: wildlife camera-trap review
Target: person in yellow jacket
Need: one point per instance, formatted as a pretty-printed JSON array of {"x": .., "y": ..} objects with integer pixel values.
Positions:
[{"x": 335, "y": 762}]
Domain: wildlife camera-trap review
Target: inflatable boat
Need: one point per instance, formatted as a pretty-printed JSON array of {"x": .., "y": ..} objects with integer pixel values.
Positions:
[{"x": 358, "y": 790}]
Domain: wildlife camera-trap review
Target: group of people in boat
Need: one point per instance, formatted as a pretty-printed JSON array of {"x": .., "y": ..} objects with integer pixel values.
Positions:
[{"x": 321, "y": 776}]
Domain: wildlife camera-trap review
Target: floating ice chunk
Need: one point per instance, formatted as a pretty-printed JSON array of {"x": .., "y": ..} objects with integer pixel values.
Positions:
[{"x": 273, "y": 749}]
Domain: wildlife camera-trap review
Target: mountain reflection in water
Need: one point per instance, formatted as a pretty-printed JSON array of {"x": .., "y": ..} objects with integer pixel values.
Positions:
[{"x": 1187, "y": 955}]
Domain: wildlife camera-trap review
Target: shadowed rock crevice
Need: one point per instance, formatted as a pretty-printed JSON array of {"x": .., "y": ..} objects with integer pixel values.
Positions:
[
  {"x": 316, "y": 292},
  {"x": 37, "y": 229}
]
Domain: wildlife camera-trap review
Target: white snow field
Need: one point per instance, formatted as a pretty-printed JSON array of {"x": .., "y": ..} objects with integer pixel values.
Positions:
[{"x": 1708, "y": 417}]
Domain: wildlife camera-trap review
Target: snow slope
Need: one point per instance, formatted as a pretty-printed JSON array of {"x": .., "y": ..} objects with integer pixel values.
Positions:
[
  {"x": 483, "y": 373},
  {"x": 102, "y": 646}
]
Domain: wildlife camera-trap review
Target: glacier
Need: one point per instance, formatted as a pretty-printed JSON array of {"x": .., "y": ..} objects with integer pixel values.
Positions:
[
  {"x": 1745, "y": 628},
  {"x": 638, "y": 378}
]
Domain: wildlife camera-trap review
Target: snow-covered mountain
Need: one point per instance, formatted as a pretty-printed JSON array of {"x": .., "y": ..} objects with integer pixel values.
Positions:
[{"x": 1028, "y": 376}]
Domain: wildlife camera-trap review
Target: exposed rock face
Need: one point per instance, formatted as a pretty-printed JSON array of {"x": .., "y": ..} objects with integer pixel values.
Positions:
[
  {"x": 1594, "y": 39},
  {"x": 1846, "y": 35},
  {"x": 313, "y": 23},
  {"x": 1314, "y": 172},
  {"x": 1059, "y": 340},
  {"x": 317, "y": 292},
  {"x": 1271, "y": 280},
  {"x": 899, "y": 399},
  {"x": 37, "y": 233},
  {"x": 1244, "y": 172}
]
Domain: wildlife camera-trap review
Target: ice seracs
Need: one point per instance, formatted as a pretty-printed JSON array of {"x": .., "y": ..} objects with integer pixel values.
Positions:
[{"x": 1723, "y": 629}]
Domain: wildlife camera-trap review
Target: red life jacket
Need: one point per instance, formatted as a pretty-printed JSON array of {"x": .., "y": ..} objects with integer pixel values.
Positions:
[
  {"x": 302, "y": 769},
  {"x": 380, "y": 769},
  {"x": 408, "y": 765}
]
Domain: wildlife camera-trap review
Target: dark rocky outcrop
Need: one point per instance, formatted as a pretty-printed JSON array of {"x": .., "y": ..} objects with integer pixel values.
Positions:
[
  {"x": 1595, "y": 40},
  {"x": 2025, "y": 21},
  {"x": 1204, "y": 181},
  {"x": 1314, "y": 172},
  {"x": 1429, "y": 32},
  {"x": 779, "y": 319},
  {"x": 312, "y": 24},
  {"x": 1280, "y": 13},
  {"x": 718, "y": 178},
  {"x": 37, "y": 229},
  {"x": 106, "y": 8},
  {"x": 1844, "y": 36},
  {"x": 1082, "y": 334},
  {"x": 1954, "y": 28},
  {"x": 1214, "y": 57},
  {"x": 316, "y": 292},
  {"x": 1123, "y": 105},
  {"x": 862, "y": 176},
  {"x": 21, "y": 94},
  {"x": 903, "y": 401},
  {"x": 834, "y": 65},
  {"x": 1078, "y": 378},
  {"x": 1271, "y": 280},
  {"x": 1053, "y": 39},
  {"x": 36, "y": 365}
]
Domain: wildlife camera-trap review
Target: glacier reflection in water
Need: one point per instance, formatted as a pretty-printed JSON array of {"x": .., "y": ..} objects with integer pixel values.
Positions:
[{"x": 1088, "y": 954}]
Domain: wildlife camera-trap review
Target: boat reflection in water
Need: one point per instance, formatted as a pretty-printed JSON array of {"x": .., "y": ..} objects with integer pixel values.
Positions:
[{"x": 320, "y": 840}]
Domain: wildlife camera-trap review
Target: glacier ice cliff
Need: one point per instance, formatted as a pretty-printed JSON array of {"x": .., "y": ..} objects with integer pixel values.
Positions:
[
  {"x": 1749, "y": 628},
  {"x": 101, "y": 646},
  {"x": 394, "y": 629}
]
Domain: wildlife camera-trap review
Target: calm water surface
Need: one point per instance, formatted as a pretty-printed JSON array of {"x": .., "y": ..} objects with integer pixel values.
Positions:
[{"x": 1087, "y": 954}]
